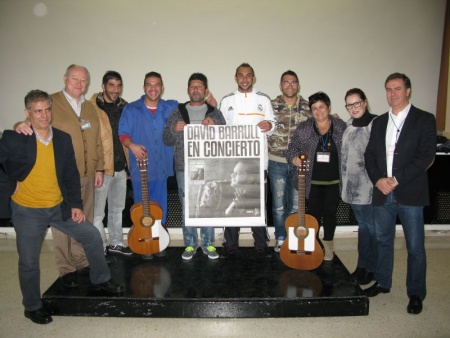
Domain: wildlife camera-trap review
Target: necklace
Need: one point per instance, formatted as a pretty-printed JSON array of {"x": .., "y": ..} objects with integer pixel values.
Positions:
[{"x": 397, "y": 134}]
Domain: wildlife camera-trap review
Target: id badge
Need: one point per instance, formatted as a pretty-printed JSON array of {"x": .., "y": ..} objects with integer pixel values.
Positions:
[
  {"x": 323, "y": 157},
  {"x": 85, "y": 124}
]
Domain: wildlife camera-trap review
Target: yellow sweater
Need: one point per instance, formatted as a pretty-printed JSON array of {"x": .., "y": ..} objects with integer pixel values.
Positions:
[
  {"x": 42, "y": 178},
  {"x": 86, "y": 143}
]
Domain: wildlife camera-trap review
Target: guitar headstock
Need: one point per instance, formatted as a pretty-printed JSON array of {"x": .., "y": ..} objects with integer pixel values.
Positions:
[
  {"x": 143, "y": 164},
  {"x": 304, "y": 164}
]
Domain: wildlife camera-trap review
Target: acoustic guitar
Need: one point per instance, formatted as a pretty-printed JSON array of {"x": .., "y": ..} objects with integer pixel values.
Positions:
[
  {"x": 147, "y": 236},
  {"x": 301, "y": 250}
]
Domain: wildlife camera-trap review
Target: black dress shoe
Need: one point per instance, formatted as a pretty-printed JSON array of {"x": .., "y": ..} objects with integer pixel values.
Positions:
[
  {"x": 228, "y": 253},
  {"x": 366, "y": 278},
  {"x": 39, "y": 316},
  {"x": 108, "y": 287},
  {"x": 375, "y": 290},
  {"x": 264, "y": 252},
  {"x": 415, "y": 305},
  {"x": 69, "y": 280}
]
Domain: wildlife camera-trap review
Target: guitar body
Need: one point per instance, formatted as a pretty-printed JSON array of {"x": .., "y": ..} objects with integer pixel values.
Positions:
[
  {"x": 145, "y": 238},
  {"x": 297, "y": 259},
  {"x": 301, "y": 250}
]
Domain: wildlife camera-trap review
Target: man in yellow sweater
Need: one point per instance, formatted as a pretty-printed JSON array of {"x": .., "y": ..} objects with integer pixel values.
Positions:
[
  {"x": 77, "y": 117},
  {"x": 46, "y": 190}
]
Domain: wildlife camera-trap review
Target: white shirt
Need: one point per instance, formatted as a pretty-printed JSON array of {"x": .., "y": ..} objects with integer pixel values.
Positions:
[
  {"x": 76, "y": 106},
  {"x": 393, "y": 131}
]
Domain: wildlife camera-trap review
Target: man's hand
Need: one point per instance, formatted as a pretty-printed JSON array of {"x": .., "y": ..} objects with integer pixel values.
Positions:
[
  {"x": 208, "y": 122},
  {"x": 78, "y": 215},
  {"x": 179, "y": 126},
  {"x": 24, "y": 128},
  {"x": 139, "y": 151},
  {"x": 99, "y": 177},
  {"x": 211, "y": 100},
  {"x": 386, "y": 185},
  {"x": 265, "y": 126}
]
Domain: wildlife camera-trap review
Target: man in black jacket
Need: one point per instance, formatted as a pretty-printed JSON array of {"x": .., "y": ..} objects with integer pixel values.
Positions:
[
  {"x": 401, "y": 148},
  {"x": 43, "y": 187}
]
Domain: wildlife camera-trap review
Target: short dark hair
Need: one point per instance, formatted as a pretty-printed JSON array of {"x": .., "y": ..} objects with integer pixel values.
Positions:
[
  {"x": 289, "y": 72},
  {"x": 319, "y": 96},
  {"x": 111, "y": 75},
  {"x": 355, "y": 91},
  {"x": 153, "y": 74},
  {"x": 246, "y": 65},
  {"x": 36, "y": 95},
  {"x": 199, "y": 77},
  {"x": 394, "y": 76}
]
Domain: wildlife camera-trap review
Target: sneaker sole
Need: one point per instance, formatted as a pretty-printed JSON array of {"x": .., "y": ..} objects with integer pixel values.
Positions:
[{"x": 120, "y": 252}]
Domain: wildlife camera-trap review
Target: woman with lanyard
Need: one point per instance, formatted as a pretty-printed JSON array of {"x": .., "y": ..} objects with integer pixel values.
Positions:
[{"x": 320, "y": 139}]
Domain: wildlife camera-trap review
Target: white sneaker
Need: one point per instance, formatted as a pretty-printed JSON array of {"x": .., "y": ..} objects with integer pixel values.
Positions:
[
  {"x": 188, "y": 253},
  {"x": 278, "y": 244},
  {"x": 211, "y": 252}
]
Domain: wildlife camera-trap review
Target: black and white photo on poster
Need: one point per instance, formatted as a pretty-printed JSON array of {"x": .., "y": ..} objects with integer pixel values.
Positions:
[{"x": 224, "y": 175}]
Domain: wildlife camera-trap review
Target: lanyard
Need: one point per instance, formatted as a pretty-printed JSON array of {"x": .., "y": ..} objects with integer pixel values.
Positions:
[{"x": 398, "y": 128}]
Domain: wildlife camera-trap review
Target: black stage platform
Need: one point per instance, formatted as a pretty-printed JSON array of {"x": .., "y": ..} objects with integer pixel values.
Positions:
[{"x": 246, "y": 286}]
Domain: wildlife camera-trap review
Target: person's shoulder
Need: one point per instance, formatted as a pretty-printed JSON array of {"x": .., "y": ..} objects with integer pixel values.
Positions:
[
  {"x": 420, "y": 112},
  {"x": 229, "y": 96},
  {"x": 58, "y": 133},
  {"x": 262, "y": 95}
]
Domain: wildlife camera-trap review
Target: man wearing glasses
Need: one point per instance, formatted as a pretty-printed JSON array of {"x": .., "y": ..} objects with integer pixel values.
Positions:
[{"x": 289, "y": 109}]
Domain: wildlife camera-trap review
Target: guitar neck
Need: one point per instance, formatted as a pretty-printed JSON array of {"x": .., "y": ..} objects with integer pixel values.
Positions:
[
  {"x": 301, "y": 201},
  {"x": 145, "y": 194}
]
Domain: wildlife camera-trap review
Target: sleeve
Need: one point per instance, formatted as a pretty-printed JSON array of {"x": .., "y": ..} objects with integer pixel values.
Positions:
[
  {"x": 294, "y": 147},
  {"x": 270, "y": 116},
  {"x": 170, "y": 136},
  {"x": 125, "y": 122}
]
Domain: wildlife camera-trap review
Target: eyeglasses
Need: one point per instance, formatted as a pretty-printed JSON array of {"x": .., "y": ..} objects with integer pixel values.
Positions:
[
  {"x": 289, "y": 83},
  {"x": 354, "y": 105}
]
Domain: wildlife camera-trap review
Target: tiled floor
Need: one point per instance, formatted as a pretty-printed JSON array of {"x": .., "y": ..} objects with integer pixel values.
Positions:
[{"x": 387, "y": 314}]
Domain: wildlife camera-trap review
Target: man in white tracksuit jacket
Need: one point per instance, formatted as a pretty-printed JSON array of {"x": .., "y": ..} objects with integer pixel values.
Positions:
[{"x": 247, "y": 106}]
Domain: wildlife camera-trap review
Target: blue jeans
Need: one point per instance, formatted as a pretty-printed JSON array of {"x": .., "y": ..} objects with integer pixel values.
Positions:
[
  {"x": 30, "y": 225},
  {"x": 190, "y": 236},
  {"x": 367, "y": 246},
  {"x": 114, "y": 189},
  {"x": 411, "y": 218},
  {"x": 284, "y": 195}
]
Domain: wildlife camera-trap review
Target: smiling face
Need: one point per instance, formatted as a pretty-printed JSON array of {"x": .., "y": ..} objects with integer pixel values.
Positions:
[
  {"x": 289, "y": 86},
  {"x": 153, "y": 88},
  {"x": 76, "y": 81},
  {"x": 397, "y": 94},
  {"x": 320, "y": 111},
  {"x": 40, "y": 115},
  {"x": 355, "y": 100},
  {"x": 244, "y": 79},
  {"x": 112, "y": 90}
]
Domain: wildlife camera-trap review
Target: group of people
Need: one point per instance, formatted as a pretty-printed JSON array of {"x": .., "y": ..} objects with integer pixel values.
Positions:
[{"x": 72, "y": 156}]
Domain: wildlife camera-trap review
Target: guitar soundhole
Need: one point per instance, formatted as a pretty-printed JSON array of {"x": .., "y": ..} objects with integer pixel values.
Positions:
[
  {"x": 147, "y": 221},
  {"x": 301, "y": 232}
]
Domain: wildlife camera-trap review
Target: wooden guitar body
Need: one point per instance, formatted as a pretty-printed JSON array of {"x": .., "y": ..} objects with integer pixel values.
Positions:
[
  {"x": 147, "y": 236},
  {"x": 301, "y": 260},
  {"x": 301, "y": 250}
]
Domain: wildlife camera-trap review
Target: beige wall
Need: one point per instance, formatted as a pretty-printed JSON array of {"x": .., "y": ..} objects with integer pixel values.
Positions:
[{"x": 333, "y": 45}]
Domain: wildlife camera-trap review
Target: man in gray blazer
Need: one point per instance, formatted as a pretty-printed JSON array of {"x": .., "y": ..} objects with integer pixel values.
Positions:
[{"x": 401, "y": 148}]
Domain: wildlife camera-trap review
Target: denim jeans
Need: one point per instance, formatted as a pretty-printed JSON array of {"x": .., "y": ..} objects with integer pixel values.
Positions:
[
  {"x": 30, "y": 225},
  {"x": 190, "y": 236},
  {"x": 284, "y": 195},
  {"x": 411, "y": 218},
  {"x": 367, "y": 246},
  {"x": 113, "y": 190}
]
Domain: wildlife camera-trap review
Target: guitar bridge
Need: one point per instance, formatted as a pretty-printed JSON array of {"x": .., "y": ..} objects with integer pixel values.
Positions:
[
  {"x": 148, "y": 239},
  {"x": 300, "y": 252}
]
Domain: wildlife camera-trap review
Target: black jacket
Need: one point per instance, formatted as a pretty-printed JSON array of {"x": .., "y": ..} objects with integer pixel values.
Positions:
[{"x": 17, "y": 158}]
